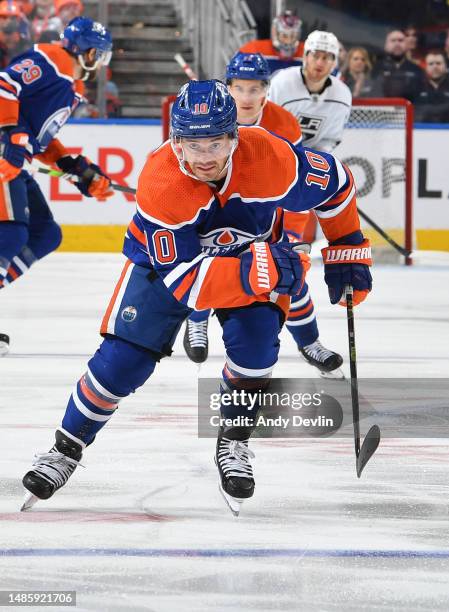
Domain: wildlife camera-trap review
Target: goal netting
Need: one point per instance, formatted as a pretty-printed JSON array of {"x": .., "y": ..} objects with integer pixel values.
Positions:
[{"x": 377, "y": 146}]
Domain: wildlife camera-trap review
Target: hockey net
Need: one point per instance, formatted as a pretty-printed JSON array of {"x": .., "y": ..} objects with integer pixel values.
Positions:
[{"x": 377, "y": 147}]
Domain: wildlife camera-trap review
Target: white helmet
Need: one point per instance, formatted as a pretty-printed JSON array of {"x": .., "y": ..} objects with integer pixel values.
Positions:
[{"x": 321, "y": 41}]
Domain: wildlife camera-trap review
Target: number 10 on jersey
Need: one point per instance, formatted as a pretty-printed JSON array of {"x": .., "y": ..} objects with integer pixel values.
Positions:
[{"x": 318, "y": 162}]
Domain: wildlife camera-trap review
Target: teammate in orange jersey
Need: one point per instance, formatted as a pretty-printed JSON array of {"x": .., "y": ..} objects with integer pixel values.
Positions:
[
  {"x": 283, "y": 49},
  {"x": 39, "y": 91},
  {"x": 247, "y": 77},
  {"x": 208, "y": 233}
]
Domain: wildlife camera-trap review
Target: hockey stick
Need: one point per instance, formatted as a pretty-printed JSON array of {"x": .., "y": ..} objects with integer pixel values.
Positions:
[
  {"x": 72, "y": 178},
  {"x": 185, "y": 66},
  {"x": 385, "y": 236},
  {"x": 364, "y": 453}
]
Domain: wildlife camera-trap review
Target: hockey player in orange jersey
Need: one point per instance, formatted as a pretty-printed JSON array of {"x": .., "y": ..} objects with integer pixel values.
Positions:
[
  {"x": 283, "y": 49},
  {"x": 39, "y": 91},
  {"x": 247, "y": 78},
  {"x": 208, "y": 233}
]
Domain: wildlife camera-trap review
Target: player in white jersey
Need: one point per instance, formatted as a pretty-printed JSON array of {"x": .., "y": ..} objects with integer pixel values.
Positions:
[{"x": 320, "y": 102}]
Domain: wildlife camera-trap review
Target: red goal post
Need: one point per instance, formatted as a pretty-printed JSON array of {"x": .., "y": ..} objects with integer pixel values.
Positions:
[
  {"x": 378, "y": 147},
  {"x": 167, "y": 103}
]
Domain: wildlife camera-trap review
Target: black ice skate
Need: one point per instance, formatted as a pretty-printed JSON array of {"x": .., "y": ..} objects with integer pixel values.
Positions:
[
  {"x": 4, "y": 344},
  {"x": 232, "y": 459},
  {"x": 51, "y": 470},
  {"x": 196, "y": 344},
  {"x": 327, "y": 362}
]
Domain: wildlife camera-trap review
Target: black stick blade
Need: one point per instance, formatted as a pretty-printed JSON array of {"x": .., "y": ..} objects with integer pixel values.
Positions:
[{"x": 369, "y": 447}]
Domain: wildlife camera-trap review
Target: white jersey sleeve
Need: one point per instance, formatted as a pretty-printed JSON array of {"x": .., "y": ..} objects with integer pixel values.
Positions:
[{"x": 322, "y": 116}]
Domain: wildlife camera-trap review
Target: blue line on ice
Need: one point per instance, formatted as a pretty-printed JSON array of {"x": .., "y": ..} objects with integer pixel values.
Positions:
[{"x": 218, "y": 552}]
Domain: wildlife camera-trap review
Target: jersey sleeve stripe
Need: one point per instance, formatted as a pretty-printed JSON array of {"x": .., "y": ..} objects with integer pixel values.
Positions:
[
  {"x": 332, "y": 211},
  {"x": 8, "y": 90},
  {"x": 185, "y": 284},
  {"x": 137, "y": 233},
  {"x": 343, "y": 174},
  {"x": 8, "y": 96},
  {"x": 344, "y": 181},
  {"x": 6, "y": 77},
  {"x": 343, "y": 194},
  {"x": 196, "y": 288},
  {"x": 181, "y": 269}
]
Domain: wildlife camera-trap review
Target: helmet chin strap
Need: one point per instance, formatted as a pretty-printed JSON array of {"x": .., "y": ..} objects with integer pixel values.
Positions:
[
  {"x": 179, "y": 152},
  {"x": 87, "y": 69}
]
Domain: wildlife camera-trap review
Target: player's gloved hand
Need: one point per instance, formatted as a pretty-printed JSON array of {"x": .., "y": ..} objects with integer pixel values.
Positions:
[
  {"x": 273, "y": 267},
  {"x": 348, "y": 264},
  {"x": 13, "y": 152},
  {"x": 93, "y": 182}
]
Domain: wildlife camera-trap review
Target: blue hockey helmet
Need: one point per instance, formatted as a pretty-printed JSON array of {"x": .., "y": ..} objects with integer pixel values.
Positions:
[
  {"x": 203, "y": 109},
  {"x": 249, "y": 66},
  {"x": 82, "y": 34}
]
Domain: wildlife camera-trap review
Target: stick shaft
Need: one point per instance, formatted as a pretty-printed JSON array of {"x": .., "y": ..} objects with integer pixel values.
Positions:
[
  {"x": 353, "y": 369},
  {"x": 385, "y": 236},
  {"x": 185, "y": 66},
  {"x": 59, "y": 174}
]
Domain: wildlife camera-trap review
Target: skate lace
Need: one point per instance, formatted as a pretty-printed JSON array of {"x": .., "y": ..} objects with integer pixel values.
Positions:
[
  {"x": 318, "y": 351},
  {"x": 55, "y": 467},
  {"x": 197, "y": 333},
  {"x": 234, "y": 457}
]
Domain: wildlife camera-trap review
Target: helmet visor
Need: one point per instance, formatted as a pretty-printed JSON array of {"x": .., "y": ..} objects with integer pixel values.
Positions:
[{"x": 103, "y": 57}]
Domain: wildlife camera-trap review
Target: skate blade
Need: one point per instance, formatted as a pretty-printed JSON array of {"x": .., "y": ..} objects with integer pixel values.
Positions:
[
  {"x": 336, "y": 374},
  {"x": 28, "y": 501},
  {"x": 234, "y": 503}
]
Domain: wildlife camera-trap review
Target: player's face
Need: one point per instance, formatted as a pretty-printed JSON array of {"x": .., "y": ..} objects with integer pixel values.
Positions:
[
  {"x": 207, "y": 157},
  {"x": 318, "y": 65},
  {"x": 435, "y": 66},
  {"x": 249, "y": 98}
]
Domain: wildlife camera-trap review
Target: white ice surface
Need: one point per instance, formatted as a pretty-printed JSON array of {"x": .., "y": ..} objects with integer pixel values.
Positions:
[{"x": 143, "y": 526}]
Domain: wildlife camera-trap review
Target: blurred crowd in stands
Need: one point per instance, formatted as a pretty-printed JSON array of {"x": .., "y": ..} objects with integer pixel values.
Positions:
[
  {"x": 406, "y": 67},
  {"x": 404, "y": 70},
  {"x": 26, "y": 22}
]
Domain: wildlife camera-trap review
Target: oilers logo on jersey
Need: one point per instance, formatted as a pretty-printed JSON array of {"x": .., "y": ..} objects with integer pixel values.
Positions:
[{"x": 227, "y": 239}]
